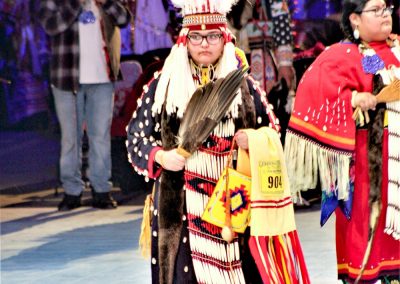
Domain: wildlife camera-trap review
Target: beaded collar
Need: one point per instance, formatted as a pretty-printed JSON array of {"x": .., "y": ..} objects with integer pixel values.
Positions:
[
  {"x": 203, "y": 74},
  {"x": 371, "y": 62}
]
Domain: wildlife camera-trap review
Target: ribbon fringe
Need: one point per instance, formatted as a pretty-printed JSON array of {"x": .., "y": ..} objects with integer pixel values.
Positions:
[
  {"x": 306, "y": 159},
  {"x": 282, "y": 258}
]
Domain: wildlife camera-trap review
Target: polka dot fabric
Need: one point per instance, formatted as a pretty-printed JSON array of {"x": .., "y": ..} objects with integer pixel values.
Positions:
[{"x": 282, "y": 32}]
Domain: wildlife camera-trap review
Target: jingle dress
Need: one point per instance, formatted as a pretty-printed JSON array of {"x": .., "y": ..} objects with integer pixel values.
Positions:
[{"x": 327, "y": 145}]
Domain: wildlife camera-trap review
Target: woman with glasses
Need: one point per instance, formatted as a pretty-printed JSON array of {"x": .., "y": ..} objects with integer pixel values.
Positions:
[
  {"x": 346, "y": 128},
  {"x": 184, "y": 248}
]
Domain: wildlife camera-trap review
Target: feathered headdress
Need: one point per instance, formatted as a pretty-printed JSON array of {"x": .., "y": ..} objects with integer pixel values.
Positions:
[
  {"x": 204, "y": 14},
  {"x": 176, "y": 85}
]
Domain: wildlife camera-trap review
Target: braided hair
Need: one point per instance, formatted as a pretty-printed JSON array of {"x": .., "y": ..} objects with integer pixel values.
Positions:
[{"x": 349, "y": 7}]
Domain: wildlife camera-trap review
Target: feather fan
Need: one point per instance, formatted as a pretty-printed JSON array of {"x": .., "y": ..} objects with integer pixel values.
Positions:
[{"x": 205, "y": 110}]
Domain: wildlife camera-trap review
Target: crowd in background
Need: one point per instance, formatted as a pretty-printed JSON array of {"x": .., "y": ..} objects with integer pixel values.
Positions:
[
  {"x": 26, "y": 100},
  {"x": 24, "y": 52}
]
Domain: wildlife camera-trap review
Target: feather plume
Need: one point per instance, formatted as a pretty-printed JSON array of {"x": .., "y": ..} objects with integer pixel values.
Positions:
[
  {"x": 226, "y": 5},
  {"x": 178, "y": 3},
  {"x": 205, "y": 110},
  {"x": 190, "y": 7}
]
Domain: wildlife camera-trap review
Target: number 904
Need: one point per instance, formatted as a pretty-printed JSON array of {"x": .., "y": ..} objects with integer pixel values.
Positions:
[{"x": 274, "y": 182}]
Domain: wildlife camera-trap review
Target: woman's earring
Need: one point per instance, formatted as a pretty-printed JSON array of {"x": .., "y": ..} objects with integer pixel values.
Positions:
[{"x": 356, "y": 33}]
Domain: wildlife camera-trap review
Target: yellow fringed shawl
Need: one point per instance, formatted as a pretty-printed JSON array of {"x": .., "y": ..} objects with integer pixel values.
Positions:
[{"x": 272, "y": 210}]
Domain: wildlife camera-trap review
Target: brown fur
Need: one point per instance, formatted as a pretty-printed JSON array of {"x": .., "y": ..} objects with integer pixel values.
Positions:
[
  {"x": 247, "y": 117},
  {"x": 375, "y": 139},
  {"x": 170, "y": 202}
]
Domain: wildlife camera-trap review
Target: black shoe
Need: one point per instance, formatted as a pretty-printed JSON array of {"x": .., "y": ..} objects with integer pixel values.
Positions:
[
  {"x": 103, "y": 200},
  {"x": 69, "y": 202}
]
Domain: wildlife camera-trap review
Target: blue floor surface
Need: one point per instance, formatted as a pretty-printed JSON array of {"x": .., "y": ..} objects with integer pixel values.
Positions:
[{"x": 40, "y": 245}]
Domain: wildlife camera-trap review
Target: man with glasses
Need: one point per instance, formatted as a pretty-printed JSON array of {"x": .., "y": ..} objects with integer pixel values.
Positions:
[{"x": 185, "y": 248}]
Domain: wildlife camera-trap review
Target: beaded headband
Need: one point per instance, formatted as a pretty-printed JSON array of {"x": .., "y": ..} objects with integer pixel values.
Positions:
[
  {"x": 204, "y": 21},
  {"x": 204, "y": 14}
]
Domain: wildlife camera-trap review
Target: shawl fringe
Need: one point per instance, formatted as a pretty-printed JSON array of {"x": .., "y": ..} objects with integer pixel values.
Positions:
[{"x": 307, "y": 159}]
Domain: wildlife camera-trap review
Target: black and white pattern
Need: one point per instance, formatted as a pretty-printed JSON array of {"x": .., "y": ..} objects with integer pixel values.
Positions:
[{"x": 282, "y": 32}]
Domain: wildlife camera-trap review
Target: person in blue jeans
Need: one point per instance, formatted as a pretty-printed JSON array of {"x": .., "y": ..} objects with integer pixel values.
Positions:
[{"x": 85, "y": 46}]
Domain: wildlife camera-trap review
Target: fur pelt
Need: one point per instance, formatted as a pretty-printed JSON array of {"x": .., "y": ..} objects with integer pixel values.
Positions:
[
  {"x": 247, "y": 112},
  {"x": 170, "y": 202},
  {"x": 375, "y": 143},
  {"x": 171, "y": 194}
]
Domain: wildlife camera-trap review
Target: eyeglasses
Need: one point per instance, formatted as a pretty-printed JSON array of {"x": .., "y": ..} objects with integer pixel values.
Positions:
[
  {"x": 379, "y": 12},
  {"x": 197, "y": 39}
]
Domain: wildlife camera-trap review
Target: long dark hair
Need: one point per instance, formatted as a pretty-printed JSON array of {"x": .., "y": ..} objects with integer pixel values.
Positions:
[{"x": 349, "y": 7}]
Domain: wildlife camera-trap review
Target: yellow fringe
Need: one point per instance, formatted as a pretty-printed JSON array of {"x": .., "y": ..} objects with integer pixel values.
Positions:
[
  {"x": 145, "y": 231},
  {"x": 284, "y": 260}
]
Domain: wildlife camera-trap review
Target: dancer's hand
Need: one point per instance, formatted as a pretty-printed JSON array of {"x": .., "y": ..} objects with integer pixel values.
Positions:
[
  {"x": 364, "y": 100},
  {"x": 242, "y": 140},
  {"x": 170, "y": 160}
]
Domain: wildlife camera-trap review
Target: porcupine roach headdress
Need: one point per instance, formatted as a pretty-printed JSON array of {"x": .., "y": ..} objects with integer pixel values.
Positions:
[{"x": 176, "y": 84}]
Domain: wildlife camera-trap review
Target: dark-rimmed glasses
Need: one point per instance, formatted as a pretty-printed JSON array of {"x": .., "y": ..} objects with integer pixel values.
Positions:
[
  {"x": 197, "y": 39},
  {"x": 379, "y": 12}
]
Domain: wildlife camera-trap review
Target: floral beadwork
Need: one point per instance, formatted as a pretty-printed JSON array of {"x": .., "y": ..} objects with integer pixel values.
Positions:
[{"x": 372, "y": 64}]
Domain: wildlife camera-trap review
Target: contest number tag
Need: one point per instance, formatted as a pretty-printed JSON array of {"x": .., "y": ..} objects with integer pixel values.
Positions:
[{"x": 270, "y": 173}]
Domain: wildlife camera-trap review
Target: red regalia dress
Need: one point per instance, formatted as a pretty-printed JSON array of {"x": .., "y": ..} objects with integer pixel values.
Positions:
[{"x": 329, "y": 146}]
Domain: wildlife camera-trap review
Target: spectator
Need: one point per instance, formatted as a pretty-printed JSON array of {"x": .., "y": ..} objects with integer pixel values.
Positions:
[{"x": 85, "y": 46}]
